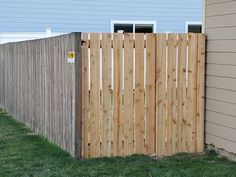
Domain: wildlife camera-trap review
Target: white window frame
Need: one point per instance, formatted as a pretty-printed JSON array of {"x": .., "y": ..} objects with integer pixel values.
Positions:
[
  {"x": 187, "y": 23},
  {"x": 134, "y": 22}
]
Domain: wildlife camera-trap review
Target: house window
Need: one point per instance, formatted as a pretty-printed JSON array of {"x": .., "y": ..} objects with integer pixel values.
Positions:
[
  {"x": 193, "y": 27},
  {"x": 143, "y": 28},
  {"x": 133, "y": 26},
  {"x": 126, "y": 28}
]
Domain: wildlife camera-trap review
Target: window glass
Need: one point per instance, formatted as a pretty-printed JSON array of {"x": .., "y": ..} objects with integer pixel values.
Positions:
[
  {"x": 133, "y": 28},
  {"x": 195, "y": 28},
  {"x": 126, "y": 28},
  {"x": 143, "y": 28}
]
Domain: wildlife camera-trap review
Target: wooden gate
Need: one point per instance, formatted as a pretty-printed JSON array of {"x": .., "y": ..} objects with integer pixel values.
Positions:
[{"x": 142, "y": 94}]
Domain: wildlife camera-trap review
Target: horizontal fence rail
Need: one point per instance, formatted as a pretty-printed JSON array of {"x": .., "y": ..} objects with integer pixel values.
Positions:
[{"x": 142, "y": 94}]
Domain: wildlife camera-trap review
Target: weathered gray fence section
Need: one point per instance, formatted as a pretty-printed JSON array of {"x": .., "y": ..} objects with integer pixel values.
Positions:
[{"x": 41, "y": 89}]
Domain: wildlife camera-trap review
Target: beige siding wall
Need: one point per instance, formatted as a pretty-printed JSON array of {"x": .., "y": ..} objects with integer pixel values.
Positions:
[{"x": 221, "y": 73}]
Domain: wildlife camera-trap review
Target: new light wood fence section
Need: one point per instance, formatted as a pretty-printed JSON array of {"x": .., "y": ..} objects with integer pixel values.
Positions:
[
  {"x": 142, "y": 94},
  {"x": 39, "y": 88}
]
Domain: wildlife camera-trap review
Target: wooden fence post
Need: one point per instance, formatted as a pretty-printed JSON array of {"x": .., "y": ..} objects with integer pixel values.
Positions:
[{"x": 78, "y": 94}]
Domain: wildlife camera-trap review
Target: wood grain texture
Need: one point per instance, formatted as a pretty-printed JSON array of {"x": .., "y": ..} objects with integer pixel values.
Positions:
[
  {"x": 85, "y": 97},
  {"x": 150, "y": 94},
  {"x": 95, "y": 94},
  {"x": 200, "y": 92},
  {"x": 161, "y": 89},
  {"x": 181, "y": 94},
  {"x": 128, "y": 95},
  {"x": 192, "y": 92},
  {"x": 106, "y": 93},
  {"x": 171, "y": 95},
  {"x": 77, "y": 97},
  {"x": 117, "y": 95},
  {"x": 139, "y": 94},
  {"x": 35, "y": 83}
]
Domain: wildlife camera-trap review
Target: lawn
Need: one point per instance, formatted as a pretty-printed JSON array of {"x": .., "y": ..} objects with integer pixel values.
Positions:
[{"x": 25, "y": 154}]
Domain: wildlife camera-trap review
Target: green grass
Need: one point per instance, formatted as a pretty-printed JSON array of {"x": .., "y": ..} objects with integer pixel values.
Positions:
[{"x": 25, "y": 154}]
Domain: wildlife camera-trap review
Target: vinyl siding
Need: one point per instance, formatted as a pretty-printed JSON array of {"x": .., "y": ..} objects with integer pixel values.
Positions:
[
  {"x": 94, "y": 15},
  {"x": 221, "y": 74}
]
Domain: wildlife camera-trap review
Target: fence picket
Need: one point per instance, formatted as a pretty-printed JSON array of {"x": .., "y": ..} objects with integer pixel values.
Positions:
[
  {"x": 150, "y": 94},
  {"x": 200, "y": 92},
  {"x": 161, "y": 90},
  {"x": 117, "y": 91},
  {"x": 106, "y": 87},
  {"x": 192, "y": 91},
  {"x": 181, "y": 93},
  {"x": 94, "y": 94},
  {"x": 171, "y": 95},
  {"x": 85, "y": 96},
  {"x": 128, "y": 94},
  {"x": 139, "y": 94}
]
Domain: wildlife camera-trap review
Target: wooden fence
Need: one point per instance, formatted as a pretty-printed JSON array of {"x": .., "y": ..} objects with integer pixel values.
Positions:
[
  {"x": 125, "y": 94},
  {"x": 37, "y": 86},
  {"x": 142, "y": 94}
]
